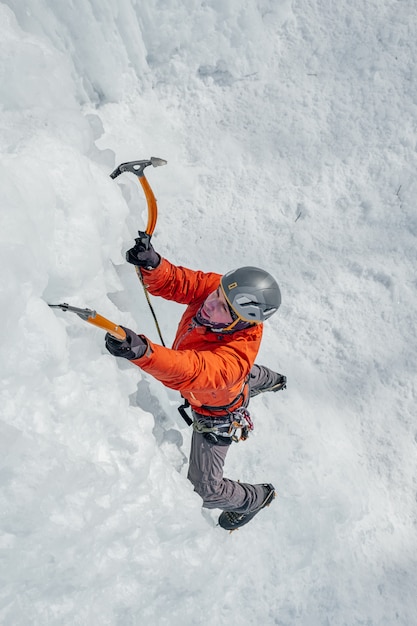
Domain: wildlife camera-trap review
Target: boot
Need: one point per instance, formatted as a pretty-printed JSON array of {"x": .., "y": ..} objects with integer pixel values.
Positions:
[
  {"x": 277, "y": 385},
  {"x": 231, "y": 520}
]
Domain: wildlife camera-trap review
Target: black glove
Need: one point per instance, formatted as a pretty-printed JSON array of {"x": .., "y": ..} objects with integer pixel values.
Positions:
[
  {"x": 143, "y": 254},
  {"x": 133, "y": 347}
]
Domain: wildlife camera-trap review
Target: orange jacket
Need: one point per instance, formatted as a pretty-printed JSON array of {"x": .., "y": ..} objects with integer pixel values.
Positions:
[{"x": 208, "y": 368}]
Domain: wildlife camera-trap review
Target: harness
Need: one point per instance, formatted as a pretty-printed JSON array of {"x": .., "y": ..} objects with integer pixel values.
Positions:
[
  {"x": 231, "y": 425},
  {"x": 236, "y": 427}
]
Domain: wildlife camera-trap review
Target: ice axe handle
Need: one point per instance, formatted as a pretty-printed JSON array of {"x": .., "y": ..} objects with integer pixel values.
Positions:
[{"x": 113, "y": 329}]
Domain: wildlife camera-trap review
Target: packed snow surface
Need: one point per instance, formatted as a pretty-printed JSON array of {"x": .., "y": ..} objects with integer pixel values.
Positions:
[{"x": 290, "y": 132}]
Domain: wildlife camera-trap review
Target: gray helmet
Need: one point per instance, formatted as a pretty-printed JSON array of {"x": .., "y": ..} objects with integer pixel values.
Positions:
[{"x": 252, "y": 293}]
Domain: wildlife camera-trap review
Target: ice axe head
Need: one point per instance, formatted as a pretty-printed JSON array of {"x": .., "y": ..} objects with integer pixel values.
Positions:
[{"x": 137, "y": 167}]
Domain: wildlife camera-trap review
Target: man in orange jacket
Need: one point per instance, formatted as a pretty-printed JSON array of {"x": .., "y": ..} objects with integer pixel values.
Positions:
[{"x": 212, "y": 364}]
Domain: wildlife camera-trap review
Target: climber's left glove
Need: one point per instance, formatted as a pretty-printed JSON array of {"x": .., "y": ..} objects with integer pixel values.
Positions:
[{"x": 133, "y": 347}]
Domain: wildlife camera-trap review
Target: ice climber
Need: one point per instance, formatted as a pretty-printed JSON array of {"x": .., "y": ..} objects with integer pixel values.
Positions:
[{"x": 212, "y": 365}]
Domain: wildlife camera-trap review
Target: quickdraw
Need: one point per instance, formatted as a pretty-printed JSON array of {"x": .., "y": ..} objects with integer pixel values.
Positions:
[
  {"x": 241, "y": 425},
  {"x": 237, "y": 427}
]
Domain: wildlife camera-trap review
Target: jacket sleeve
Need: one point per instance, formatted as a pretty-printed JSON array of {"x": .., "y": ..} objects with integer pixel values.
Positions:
[
  {"x": 179, "y": 283},
  {"x": 189, "y": 370}
]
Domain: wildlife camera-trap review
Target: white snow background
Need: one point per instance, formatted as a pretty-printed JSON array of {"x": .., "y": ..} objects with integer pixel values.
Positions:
[{"x": 290, "y": 131}]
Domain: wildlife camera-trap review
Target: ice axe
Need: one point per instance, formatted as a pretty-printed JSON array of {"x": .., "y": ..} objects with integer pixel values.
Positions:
[
  {"x": 137, "y": 167},
  {"x": 88, "y": 315}
]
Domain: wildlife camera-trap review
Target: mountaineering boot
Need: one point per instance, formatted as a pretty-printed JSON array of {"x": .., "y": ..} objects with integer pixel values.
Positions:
[
  {"x": 277, "y": 385},
  {"x": 230, "y": 520}
]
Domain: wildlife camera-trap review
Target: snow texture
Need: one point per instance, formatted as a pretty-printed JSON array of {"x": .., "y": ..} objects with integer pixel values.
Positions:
[{"x": 290, "y": 133}]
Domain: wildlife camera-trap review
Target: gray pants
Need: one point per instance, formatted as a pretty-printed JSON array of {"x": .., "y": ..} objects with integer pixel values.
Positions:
[{"x": 207, "y": 460}]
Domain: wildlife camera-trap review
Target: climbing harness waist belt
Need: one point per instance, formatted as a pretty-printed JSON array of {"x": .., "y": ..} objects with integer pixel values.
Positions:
[
  {"x": 233, "y": 422},
  {"x": 241, "y": 400},
  {"x": 234, "y": 427}
]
